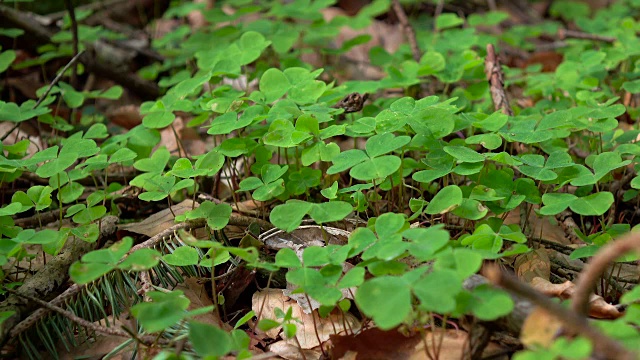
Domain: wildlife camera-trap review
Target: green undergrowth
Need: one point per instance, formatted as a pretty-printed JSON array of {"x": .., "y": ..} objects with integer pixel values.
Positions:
[{"x": 445, "y": 160}]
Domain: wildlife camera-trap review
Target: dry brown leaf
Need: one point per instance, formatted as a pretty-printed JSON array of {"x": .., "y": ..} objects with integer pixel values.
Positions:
[
  {"x": 198, "y": 297},
  {"x": 290, "y": 351},
  {"x": 550, "y": 289},
  {"x": 375, "y": 344},
  {"x": 540, "y": 328},
  {"x": 452, "y": 346},
  {"x": 27, "y": 84},
  {"x": 355, "y": 62},
  {"x": 598, "y": 307},
  {"x": 159, "y": 221},
  {"x": 187, "y": 139},
  {"x": 196, "y": 18},
  {"x": 308, "y": 332},
  {"x": 127, "y": 116},
  {"x": 533, "y": 264},
  {"x": 541, "y": 227}
]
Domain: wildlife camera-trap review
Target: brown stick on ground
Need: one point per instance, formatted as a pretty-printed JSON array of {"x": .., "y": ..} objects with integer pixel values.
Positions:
[
  {"x": 496, "y": 81},
  {"x": 407, "y": 29},
  {"x": 575, "y": 322},
  {"x": 11, "y": 331},
  {"x": 573, "y": 34},
  {"x": 37, "y": 35},
  {"x": 592, "y": 272},
  {"x": 48, "y": 279}
]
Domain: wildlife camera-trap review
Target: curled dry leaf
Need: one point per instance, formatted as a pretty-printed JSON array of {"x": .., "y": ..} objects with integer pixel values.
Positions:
[
  {"x": 598, "y": 307},
  {"x": 540, "y": 226},
  {"x": 540, "y": 328}
]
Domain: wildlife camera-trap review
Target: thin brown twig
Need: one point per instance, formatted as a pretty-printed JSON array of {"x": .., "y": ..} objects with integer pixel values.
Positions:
[
  {"x": 436, "y": 13},
  {"x": 75, "y": 288},
  {"x": 592, "y": 272},
  {"x": 574, "y": 34},
  {"x": 407, "y": 29},
  {"x": 572, "y": 320},
  {"x": 44, "y": 96},
  {"x": 496, "y": 81},
  {"x": 74, "y": 39},
  {"x": 147, "y": 339}
]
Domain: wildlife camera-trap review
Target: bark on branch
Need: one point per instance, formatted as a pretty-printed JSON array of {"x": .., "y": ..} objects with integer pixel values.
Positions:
[{"x": 37, "y": 35}]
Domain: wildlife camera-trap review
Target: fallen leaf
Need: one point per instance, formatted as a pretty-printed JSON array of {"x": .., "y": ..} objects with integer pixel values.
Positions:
[
  {"x": 598, "y": 307},
  {"x": 311, "y": 327},
  {"x": 159, "y": 221},
  {"x": 533, "y": 264},
  {"x": 199, "y": 298},
  {"x": 540, "y": 328},
  {"x": 375, "y": 344},
  {"x": 290, "y": 351}
]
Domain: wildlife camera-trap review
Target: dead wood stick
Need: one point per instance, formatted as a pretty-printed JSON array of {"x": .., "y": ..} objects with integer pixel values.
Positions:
[
  {"x": 573, "y": 34},
  {"x": 407, "y": 29},
  {"x": 572, "y": 320},
  {"x": 496, "y": 81},
  {"x": 74, "y": 289},
  {"x": 40, "y": 35},
  {"x": 146, "y": 339},
  {"x": 588, "y": 279}
]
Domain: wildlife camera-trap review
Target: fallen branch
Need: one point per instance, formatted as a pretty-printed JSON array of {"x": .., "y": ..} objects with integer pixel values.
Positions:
[
  {"x": 75, "y": 289},
  {"x": 573, "y": 34},
  {"x": 39, "y": 35},
  {"x": 145, "y": 339},
  {"x": 588, "y": 279},
  {"x": 407, "y": 29},
  {"x": 572, "y": 320}
]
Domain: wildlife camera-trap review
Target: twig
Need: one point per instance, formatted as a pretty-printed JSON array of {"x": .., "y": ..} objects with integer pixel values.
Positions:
[
  {"x": 44, "y": 218},
  {"x": 88, "y": 7},
  {"x": 575, "y": 322},
  {"x": 40, "y": 35},
  {"x": 49, "y": 278},
  {"x": 407, "y": 29},
  {"x": 58, "y": 77},
  {"x": 152, "y": 241},
  {"x": 436, "y": 13},
  {"x": 496, "y": 81},
  {"x": 592, "y": 272},
  {"x": 71, "y": 316},
  {"x": 74, "y": 38},
  {"x": 27, "y": 323},
  {"x": 573, "y": 34},
  {"x": 147, "y": 339},
  {"x": 44, "y": 96}
]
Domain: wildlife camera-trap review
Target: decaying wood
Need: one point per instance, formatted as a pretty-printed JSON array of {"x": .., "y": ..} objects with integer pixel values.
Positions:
[{"x": 37, "y": 35}]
